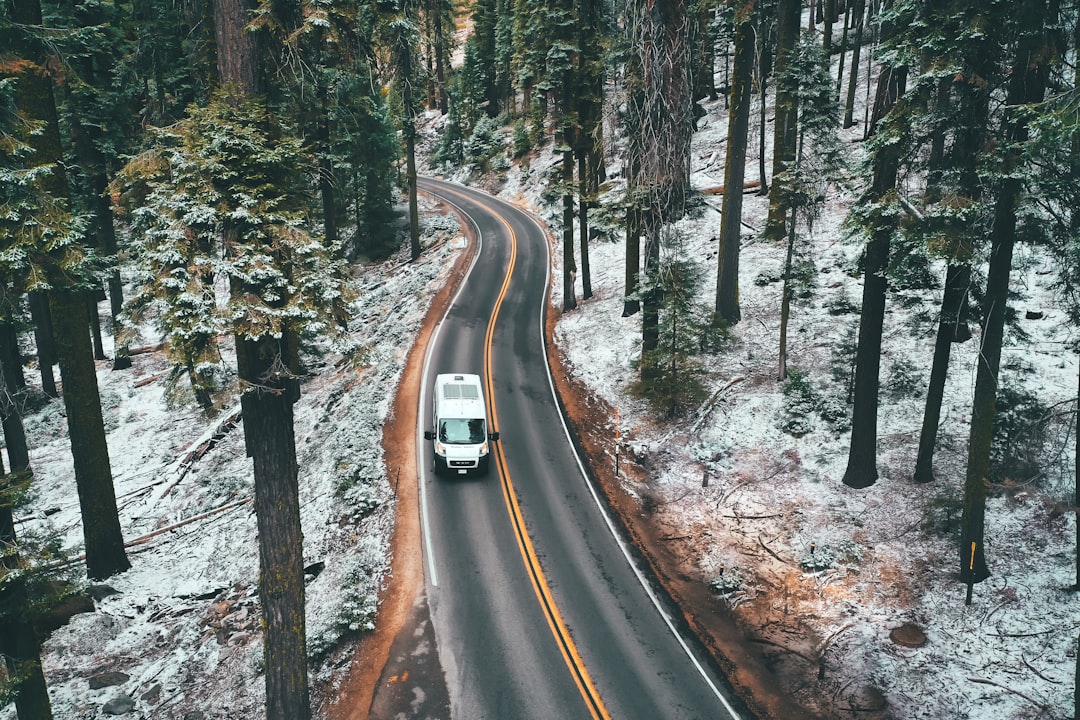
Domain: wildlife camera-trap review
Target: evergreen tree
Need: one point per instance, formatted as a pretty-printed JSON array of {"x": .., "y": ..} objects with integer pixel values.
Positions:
[
  {"x": 403, "y": 39},
  {"x": 879, "y": 208},
  {"x": 727, "y": 259},
  {"x": 1035, "y": 48},
  {"x": 19, "y": 643},
  {"x": 44, "y": 236},
  {"x": 662, "y": 120},
  {"x": 785, "y": 125},
  {"x": 801, "y": 186}
]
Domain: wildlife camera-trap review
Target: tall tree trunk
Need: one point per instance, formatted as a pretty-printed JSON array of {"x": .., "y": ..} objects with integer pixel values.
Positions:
[
  {"x": 861, "y": 469},
  {"x": 43, "y": 339},
  {"x": 105, "y": 554},
  {"x": 727, "y": 268},
  {"x": 441, "y": 61},
  {"x": 829, "y": 18},
  {"x": 569, "y": 268},
  {"x": 785, "y": 125},
  {"x": 631, "y": 305},
  {"x": 19, "y": 643},
  {"x": 14, "y": 433},
  {"x": 410, "y": 173},
  {"x": 11, "y": 358},
  {"x": 584, "y": 195},
  {"x": 785, "y": 302},
  {"x": 843, "y": 47},
  {"x": 266, "y": 366},
  {"x": 849, "y": 107},
  {"x": 327, "y": 187},
  {"x": 665, "y": 127},
  {"x": 1027, "y": 84},
  {"x": 266, "y": 405},
  {"x": 957, "y": 281},
  {"x": 94, "y": 318}
]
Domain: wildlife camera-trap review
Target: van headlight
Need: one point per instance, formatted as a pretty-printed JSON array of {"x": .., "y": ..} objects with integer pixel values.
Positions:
[
  {"x": 483, "y": 450},
  {"x": 440, "y": 449}
]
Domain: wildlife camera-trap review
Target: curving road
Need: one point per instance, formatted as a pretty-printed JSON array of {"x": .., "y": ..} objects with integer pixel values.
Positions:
[{"x": 537, "y": 607}]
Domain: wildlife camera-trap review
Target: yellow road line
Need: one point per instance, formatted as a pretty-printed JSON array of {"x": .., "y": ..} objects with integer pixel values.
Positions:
[{"x": 597, "y": 709}]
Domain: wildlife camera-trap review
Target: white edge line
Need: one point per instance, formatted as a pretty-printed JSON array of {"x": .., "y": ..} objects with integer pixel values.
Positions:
[
  {"x": 421, "y": 464},
  {"x": 642, "y": 580}
]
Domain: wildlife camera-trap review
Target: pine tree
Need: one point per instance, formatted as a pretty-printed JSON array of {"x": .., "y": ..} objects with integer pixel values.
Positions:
[
  {"x": 403, "y": 38},
  {"x": 662, "y": 120},
  {"x": 801, "y": 186},
  {"x": 1035, "y": 48},
  {"x": 881, "y": 221},
  {"x": 785, "y": 125},
  {"x": 726, "y": 309},
  {"x": 42, "y": 230},
  {"x": 19, "y": 643}
]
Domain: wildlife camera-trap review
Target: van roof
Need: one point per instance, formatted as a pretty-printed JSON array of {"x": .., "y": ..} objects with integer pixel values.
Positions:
[{"x": 458, "y": 395}]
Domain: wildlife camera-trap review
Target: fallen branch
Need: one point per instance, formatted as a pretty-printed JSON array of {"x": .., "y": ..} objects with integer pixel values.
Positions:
[
  {"x": 146, "y": 538},
  {"x": 1006, "y": 688},
  {"x": 1032, "y": 669},
  {"x": 762, "y": 641},
  {"x": 146, "y": 349},
  {"x": 769, "y": 550},
  {"x": 203, "y": 445},
  {"x": 209, "y": 513}
]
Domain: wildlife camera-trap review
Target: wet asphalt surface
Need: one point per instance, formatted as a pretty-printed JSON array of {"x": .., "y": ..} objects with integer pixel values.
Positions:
[{"x": 412, "y": 685}]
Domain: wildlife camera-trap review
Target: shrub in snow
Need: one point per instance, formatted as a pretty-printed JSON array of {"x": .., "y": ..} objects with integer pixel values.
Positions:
[
  {"x": 941, "y": 515},
  {"x": 1019, "y": 435},
  {"x": 904, "y": 380},
  {"x": 799, "y": 404},
  {"x": 359, "y": 491},
  {"x": 802, "y": 402},
  {"x": 727, "y": 580},
  {"x": 357, "y": 601},
  {"x": 485, "y": 143}
]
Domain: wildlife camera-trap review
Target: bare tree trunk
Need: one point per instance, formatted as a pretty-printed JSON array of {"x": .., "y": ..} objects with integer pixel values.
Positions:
[
  {"x": 569, "y": 268},
  {"x": 785, "y": 127},
  {"x": 849, "y": 107},
  {"x": 785, "y": 302},
  {"x": 727, "y": 269},
  {"x": 1027, "y": 85},
  {"x": 584, "y": 195},
  {"x": 105, "y": 554},
  {"x": 957, "y": 280},
  {"x": 861, "y": 469}
]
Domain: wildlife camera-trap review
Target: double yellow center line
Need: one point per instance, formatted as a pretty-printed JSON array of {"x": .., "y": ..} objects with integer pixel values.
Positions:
[{"x": 569, "y": 651}]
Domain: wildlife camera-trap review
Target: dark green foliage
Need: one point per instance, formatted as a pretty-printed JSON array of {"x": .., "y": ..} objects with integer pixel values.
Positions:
[
  {"x": 203, "y": 206},
  {"x": 904, "y": 380},
  {"x": 941, "y": 514},
  {"x": 1020, "y": 424},
  {"x": 485, "y": 144},
  {"x": 804, "y": 403},
  {"x": 677, "y": 383}
]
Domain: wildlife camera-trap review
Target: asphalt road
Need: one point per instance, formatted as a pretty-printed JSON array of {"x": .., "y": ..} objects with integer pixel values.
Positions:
[{"x": 537, "y": 608}]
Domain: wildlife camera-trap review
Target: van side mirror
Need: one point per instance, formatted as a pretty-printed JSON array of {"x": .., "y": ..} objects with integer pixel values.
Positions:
[
  {"x": 429, "y": 434},
  {"x": 493, "y": 436}
]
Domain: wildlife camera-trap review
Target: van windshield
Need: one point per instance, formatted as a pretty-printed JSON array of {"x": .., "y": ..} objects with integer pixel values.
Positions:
[{"x": 462, "y": 432}]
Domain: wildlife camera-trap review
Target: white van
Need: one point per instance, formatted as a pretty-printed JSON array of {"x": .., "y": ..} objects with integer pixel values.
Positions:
[{"x": 461, "y": 435}]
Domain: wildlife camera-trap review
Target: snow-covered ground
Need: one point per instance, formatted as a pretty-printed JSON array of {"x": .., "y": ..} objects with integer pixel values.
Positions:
[
  {"x": 821, "y": 573},
  {"x": 744, "y": 500},
  {"x": 182, "y": 625}
]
